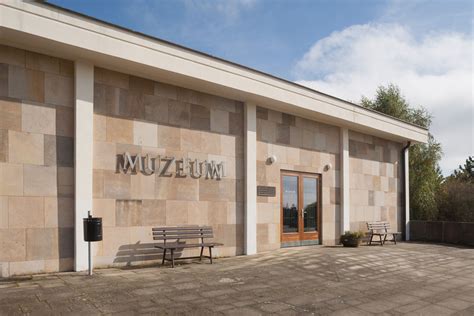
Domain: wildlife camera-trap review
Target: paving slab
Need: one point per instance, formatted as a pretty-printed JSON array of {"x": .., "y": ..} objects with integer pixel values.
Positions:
[{"x": 407, "y": 278}]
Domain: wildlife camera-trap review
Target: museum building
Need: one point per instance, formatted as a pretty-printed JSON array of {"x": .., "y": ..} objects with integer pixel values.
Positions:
[{"x": 146, "y": 133}]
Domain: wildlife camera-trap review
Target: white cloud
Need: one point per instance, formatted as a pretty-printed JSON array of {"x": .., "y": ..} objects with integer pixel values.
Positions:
[{"x": 434, "y": 70}]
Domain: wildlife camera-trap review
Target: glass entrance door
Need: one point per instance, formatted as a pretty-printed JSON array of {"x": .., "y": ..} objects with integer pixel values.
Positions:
[{"x": 300, "y": 208}]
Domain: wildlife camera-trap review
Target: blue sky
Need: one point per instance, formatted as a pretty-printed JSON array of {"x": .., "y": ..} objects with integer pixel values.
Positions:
[{"x": 345, "y": 48}]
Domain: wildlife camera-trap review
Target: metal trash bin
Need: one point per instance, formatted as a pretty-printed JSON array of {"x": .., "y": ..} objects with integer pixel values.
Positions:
[{"x": 92, "y": 228}]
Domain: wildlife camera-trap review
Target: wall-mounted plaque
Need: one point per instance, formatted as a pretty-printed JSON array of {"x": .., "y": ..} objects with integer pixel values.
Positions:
[{"x": 266, "y": 191}]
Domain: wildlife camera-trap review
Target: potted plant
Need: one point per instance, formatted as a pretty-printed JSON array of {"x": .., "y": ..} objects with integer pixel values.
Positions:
[{"x": 351, "y": 239}]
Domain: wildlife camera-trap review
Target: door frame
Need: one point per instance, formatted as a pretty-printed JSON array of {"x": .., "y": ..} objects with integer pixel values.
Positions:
[{"x": 300, "y": 237}]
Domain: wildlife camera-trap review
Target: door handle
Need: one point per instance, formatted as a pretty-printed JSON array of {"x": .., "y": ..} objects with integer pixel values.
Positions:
[{"x": 302, "y": 212}]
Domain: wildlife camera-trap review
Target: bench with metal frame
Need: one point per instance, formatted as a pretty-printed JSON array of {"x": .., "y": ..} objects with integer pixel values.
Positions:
[
  {"x": 381, "y": 229},
  {"x": 175, "y": 238}
]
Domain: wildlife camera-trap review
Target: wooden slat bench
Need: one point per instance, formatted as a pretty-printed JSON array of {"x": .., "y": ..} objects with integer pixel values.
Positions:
[
  {"x": 381, "y": 229},
  {"x": 175, "y": 238}
]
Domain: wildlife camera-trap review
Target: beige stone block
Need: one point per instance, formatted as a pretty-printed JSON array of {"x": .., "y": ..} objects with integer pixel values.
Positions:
[
  {"x": 66, "y": 68},
  {"x": 65, "y": 181},
  {"x": 3, "y": 212},
  {"x": 272, "y": 174},
  {"x": 119, "y": 130},
  {"x": 116, "y": 185},
  {"x": 262, "y": 236},
  {"x": 265, "y": 213},
  {"x": 64, "y": 121},
  {"x": 296, "y": 136},
  {"x": 104, "y": 208},
  {"x": 10, "y": 115},
  {"x": 368, "y": 182},
  {"x": 3, "y": 145},
  {"x": 58, "y": 212},
  {"x": 25, "y": 148},
  {"x": 356, "y": 165},
  {"x": 390, "y": 170},
  {"x": 12, "y": 55},
  {"x": 187, "y": 189},
  {"x": 166, "y": 90},
  {"x": 111, "y": 78},
  {"x": 142, "y": 186},
  {"x": 42, "y": 62},
  {"x": 153, "y": 213},
  {"x": 145, "y": 134},
  {"x": 176, "y": 213},
  {"x": 198, "y": 213},
  {"x": 127, "y": 213},
  {"x": 267, "y": 131},
  {"x": 306, "y": 157},
  {"x": 217, "y": 212},
  {"x": 316, "y": 160},
  {"x": 27, "y": 267},
  {"x": 11, "y": 179},
  {"x": 331, "y": 178},
  {"x": 142, "y": 235},
  {"x": 115, "y": 240},
  {"x": 40, "y": 180},
  {"x": 384, "y": 184},
  {"x": 38, "y": 119},
  {"x": 262, "y": 151},
  {"x": 12, "y": 244},
  {"x": 230, "y": 145},
  {"x": 191, "y": 140},
  {"x": 200, "y": 117},
  {"x": 25, "y": 212},
  {"x": 42, "y": 243},
  {"x": 211, "y": 143},
  {"x": 100, "y": 128},
  {"x": 235, "y": 213},
  {"x": 164, "y": 188},
  {"x": 26, "y": 84},
  {"x": 105, "y": 157},
  {"x": 280, "y": 153},
  {"x": 141, "y": 85},
  {"x": 131, "y": 104},
  {"x": 219, "y": 121},
  {"x": 293, "y": 156},
  {"x": 98, "y": 183},
  {"x": 169, "y": 137},
  {"x": 58, "y": 90},
  {"x": 179, "y": 113}
]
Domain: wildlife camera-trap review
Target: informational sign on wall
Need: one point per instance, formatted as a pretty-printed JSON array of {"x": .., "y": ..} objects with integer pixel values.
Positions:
[
  {"x": 170, "y": 166},
  {"x": 266, "y": 191}
]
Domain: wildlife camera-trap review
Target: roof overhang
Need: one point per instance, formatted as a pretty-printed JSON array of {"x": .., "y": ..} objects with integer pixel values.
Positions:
[{"x": 61, "y": 33}]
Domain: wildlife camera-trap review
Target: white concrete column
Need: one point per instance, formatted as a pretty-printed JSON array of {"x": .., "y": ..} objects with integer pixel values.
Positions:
[
  {"x": 83, "y": 144},
  {"x": 344, "y": 183},
  {"x": 406, "y": 162},
  {"x": 250, "y": 135}
]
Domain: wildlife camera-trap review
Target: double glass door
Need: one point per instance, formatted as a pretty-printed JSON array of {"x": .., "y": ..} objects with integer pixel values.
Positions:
[{"x": 300, "y": 208}]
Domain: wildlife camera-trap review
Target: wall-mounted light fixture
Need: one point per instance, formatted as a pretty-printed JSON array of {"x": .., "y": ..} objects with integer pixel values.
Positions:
[
  {"x": 271, "y": 160},
  {"x": 328, "y": 167}
]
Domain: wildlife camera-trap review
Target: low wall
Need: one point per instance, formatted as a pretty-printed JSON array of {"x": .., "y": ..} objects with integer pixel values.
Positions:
[{"x": 444, "y": 232}]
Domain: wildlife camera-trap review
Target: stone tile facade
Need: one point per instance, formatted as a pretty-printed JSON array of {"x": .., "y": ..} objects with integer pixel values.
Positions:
[
  {"x": 375, "y": 183},
  {"x": 36, "y": 162},
  {"x": 141, "y": 116},
  {"x": 298, "y": 145}
]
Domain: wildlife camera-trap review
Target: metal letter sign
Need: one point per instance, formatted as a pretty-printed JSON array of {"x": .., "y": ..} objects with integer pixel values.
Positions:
[{"x": 163, "y": 166}]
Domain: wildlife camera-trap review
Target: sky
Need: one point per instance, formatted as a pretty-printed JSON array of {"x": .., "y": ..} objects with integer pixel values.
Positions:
[{"x": 343, "y": 48}]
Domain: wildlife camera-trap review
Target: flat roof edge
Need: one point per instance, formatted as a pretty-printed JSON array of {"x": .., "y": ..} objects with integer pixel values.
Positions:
[{"x": 154, "y": 38}]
